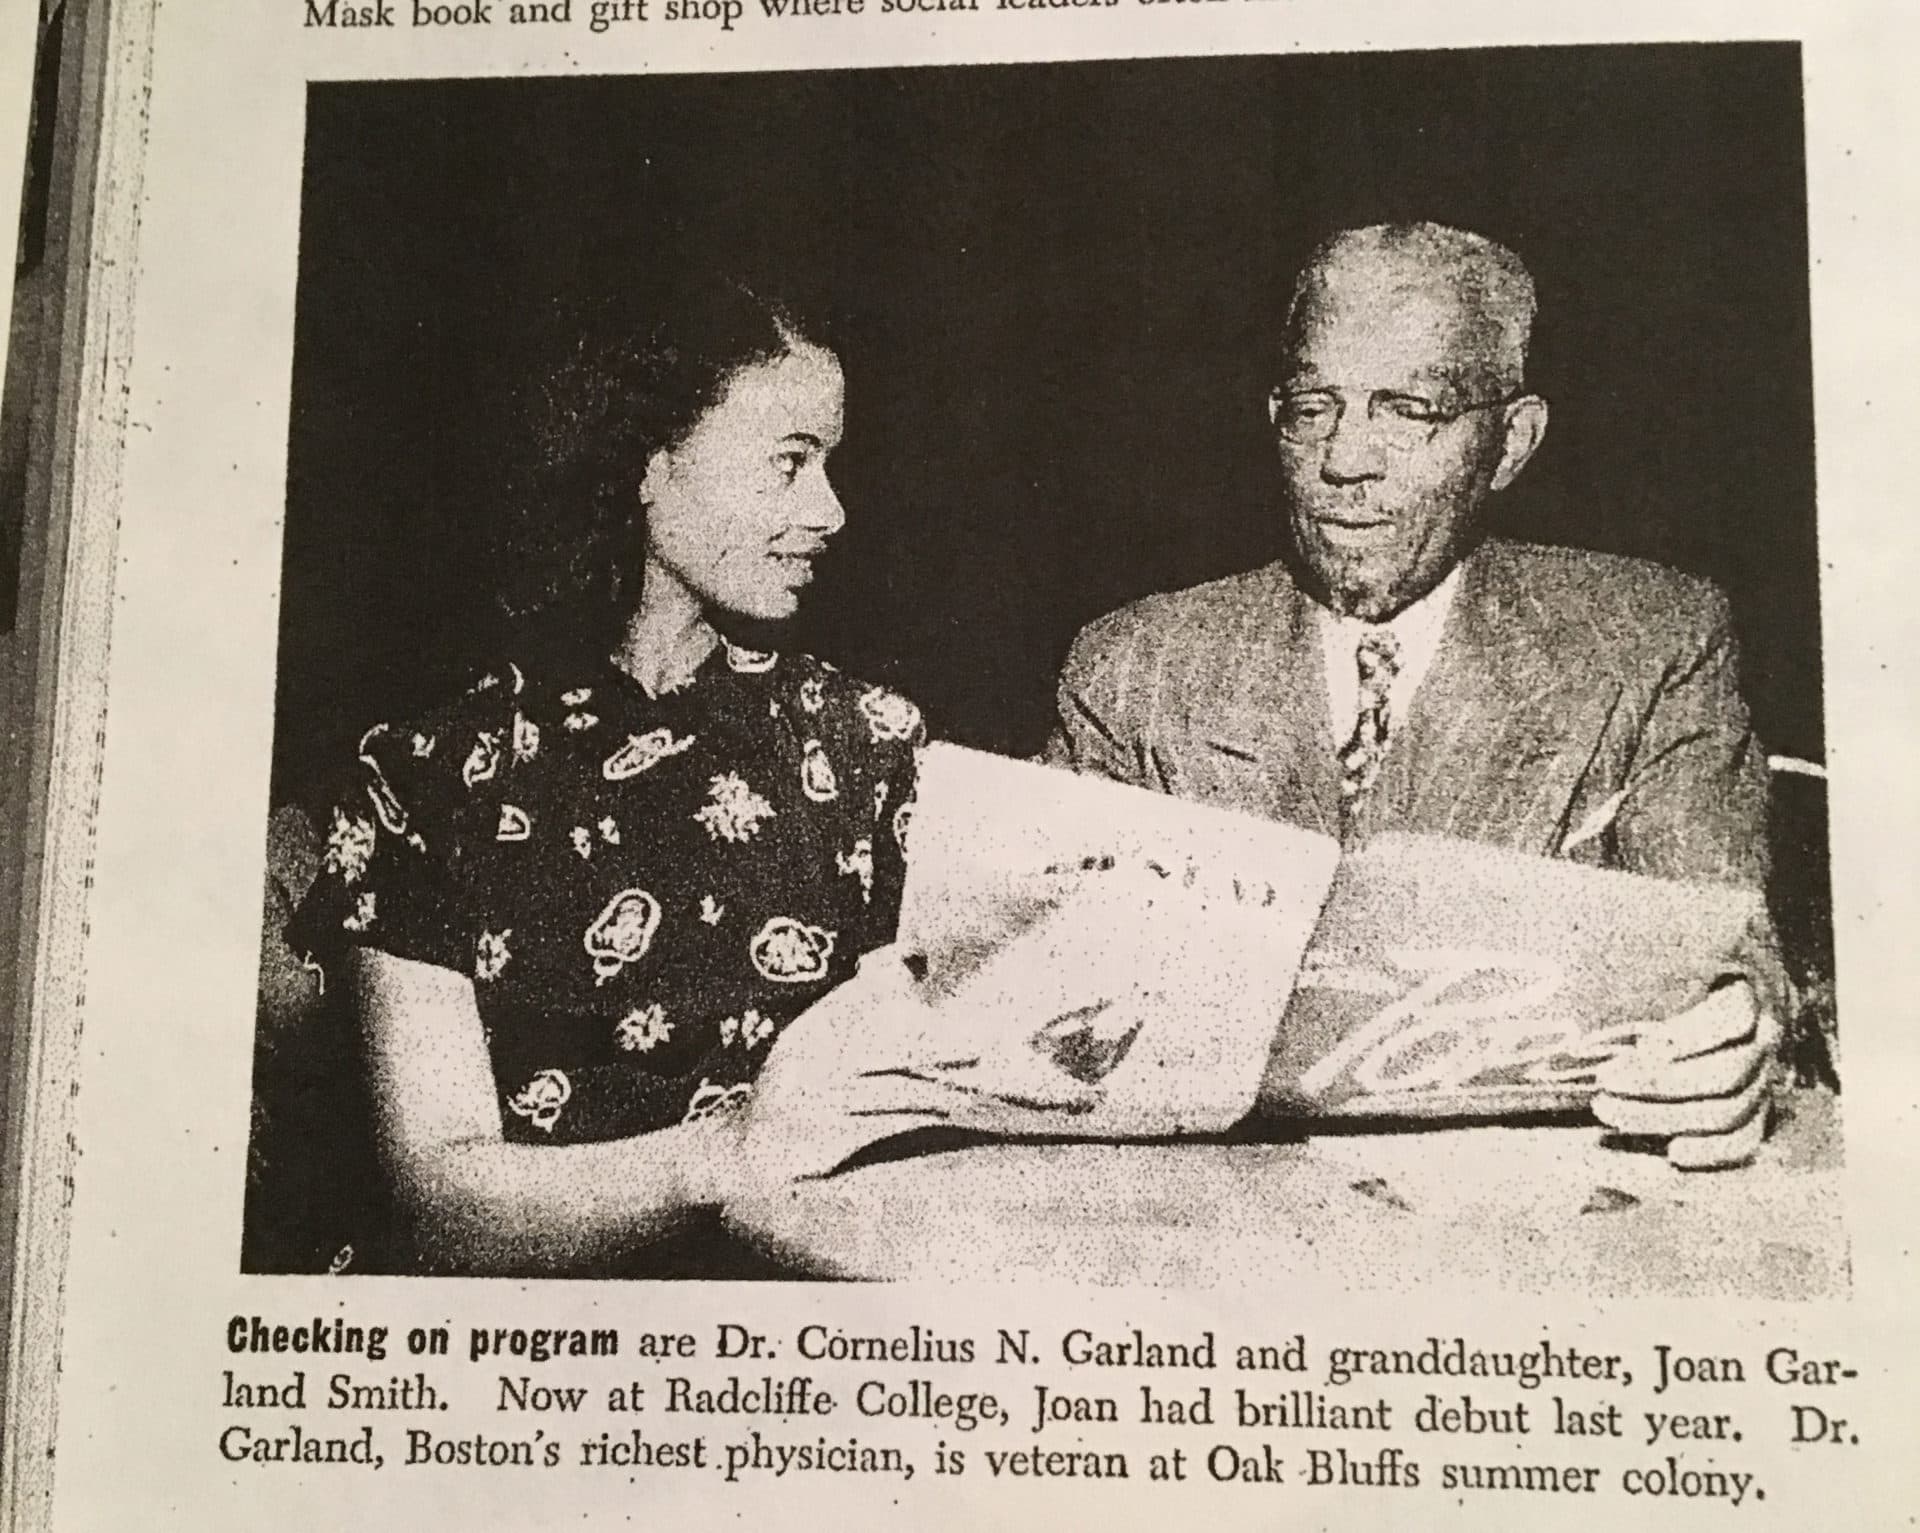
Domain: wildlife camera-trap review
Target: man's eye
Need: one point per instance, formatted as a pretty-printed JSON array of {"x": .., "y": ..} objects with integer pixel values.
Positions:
[
  {"x": 1404, "y": 407},
  {"x": 1306, "y": 407},
  {"x": 790, "y": 464}
]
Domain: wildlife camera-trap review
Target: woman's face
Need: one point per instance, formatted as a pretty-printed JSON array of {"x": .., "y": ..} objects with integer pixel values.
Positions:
[{"x": 738, "y": 512}]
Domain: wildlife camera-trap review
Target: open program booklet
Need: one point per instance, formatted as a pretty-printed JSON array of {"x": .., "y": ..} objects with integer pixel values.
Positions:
[{"x": 1193, "y": 962}]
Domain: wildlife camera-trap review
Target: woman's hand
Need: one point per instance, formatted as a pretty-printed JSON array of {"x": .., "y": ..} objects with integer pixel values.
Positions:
[
  {"x": 1702, "y": 1080},
  {"x": 869, "y": 1060}
]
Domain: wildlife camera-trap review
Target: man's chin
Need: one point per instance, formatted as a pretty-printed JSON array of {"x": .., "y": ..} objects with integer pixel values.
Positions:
[
  {"x": 1374, "y": 584},
  {"x": 1366, "y": 604},
  {"x": 1350, "y": 587},
  {"x": 1373, "y": 590}
]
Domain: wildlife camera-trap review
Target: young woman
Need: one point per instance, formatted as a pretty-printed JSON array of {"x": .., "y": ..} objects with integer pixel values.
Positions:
[{"x": 576, "y": 906}]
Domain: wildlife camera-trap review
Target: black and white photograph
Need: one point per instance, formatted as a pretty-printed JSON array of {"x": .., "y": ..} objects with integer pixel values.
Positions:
[{"x": 1191, "y": 672}]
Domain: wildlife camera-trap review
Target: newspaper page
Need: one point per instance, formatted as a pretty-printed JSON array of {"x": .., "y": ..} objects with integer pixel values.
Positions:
[{"x": 948, "y": 763}]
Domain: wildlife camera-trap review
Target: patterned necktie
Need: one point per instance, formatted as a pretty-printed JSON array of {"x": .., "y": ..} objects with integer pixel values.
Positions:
[{"x": 1378, "y": 657}]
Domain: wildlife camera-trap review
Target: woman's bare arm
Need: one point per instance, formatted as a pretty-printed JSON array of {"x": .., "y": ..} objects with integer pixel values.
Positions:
[{"x": 476, "y": 1203}]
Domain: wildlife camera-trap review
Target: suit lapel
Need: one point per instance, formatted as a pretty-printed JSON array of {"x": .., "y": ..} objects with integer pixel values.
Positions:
[
  {"x": 1288, "y": 696},
  {"x": 1489, "y": 752}
]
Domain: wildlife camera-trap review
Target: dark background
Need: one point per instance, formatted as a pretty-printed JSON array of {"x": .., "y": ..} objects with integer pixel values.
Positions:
[{"x": 1058, "y": 287}]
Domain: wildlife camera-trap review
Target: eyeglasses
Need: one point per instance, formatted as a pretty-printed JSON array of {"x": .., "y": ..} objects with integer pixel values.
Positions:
[{"x": 1404, "y": 422}]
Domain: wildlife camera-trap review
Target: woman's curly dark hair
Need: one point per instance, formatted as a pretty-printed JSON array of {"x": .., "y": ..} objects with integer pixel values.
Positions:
[{"x": 634, "y": 375}]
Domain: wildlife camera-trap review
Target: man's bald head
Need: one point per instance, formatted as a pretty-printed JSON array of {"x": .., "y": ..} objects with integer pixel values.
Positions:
[{"x": 1475, "y": 288}]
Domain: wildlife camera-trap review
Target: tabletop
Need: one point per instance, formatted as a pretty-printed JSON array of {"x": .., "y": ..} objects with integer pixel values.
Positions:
[{"x": 1524, "y": 1208}]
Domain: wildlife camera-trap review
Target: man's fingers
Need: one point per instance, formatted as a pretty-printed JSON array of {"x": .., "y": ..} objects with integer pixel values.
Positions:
[
  {"x": 1719, "y": 1152},
  {"x": 1698, "y": 1115},
  {"x": 1728, "y": 1015},
  {"x": 1656, "y": 1078}
]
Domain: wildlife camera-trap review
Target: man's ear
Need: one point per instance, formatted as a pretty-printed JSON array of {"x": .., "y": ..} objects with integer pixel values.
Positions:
[
  {"x": 1526, "y": 429},
  {"x": 659, "y": 471}
]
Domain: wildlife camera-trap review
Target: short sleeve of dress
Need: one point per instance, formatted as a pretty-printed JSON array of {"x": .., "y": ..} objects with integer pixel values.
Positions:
[{"x": 389, "y": 854}]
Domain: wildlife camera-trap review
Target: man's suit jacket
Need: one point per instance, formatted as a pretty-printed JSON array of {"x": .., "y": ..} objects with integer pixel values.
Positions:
[{"x": 1571, "y": 691}]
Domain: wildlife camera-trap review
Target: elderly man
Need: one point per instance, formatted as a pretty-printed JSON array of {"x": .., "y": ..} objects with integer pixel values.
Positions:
[{"x": 1401, "y": 670}]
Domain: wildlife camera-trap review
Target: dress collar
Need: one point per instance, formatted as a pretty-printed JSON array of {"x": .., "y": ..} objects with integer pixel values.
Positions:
[{"x": 724, "y": 658}]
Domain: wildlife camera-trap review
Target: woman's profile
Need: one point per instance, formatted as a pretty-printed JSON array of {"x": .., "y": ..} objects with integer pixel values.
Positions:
[{"x": 575, "y": 906}]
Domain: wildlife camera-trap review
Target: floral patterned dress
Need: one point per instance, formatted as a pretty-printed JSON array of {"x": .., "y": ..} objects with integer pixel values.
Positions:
[{"x": 644, "y": 889}]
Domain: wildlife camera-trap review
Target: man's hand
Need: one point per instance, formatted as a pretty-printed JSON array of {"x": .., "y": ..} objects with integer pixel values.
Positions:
[{"x": 1703, "y": 1081}]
